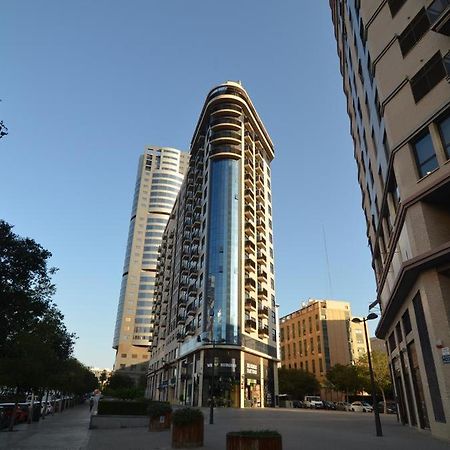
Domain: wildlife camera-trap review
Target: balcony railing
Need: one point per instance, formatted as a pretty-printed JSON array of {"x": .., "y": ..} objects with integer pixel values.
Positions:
[{"x": 439, "y": 16}]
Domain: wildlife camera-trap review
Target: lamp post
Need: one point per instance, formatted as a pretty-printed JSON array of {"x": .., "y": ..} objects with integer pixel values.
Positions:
[{"x": 371, "y": 316}]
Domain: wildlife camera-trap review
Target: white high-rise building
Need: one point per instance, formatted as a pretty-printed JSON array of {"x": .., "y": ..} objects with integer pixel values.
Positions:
[{"x": 160, "y": 175}]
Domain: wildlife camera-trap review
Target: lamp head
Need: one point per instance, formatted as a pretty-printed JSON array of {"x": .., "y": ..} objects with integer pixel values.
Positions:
[
  {"x": 372, "y": 316},
  {"x": 356, "y": 320}
]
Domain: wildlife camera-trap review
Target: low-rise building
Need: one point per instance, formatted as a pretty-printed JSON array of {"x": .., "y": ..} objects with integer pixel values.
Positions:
[{"x": 319, "y": 335}]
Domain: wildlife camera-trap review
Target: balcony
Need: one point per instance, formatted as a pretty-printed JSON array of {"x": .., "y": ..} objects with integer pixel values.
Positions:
[
  {"x": 226, "y": 109},
  {"x": 250, "y": 284},
  {"x": 249, "y": 181},
  {"x": 260, "y": 225},
  {"x": 248, "y": 195},
  {"x": 250, "y": 324},
  {"x": 249, "y": 263},
  {"x": 260, "y": 211},
  {"x": 261, "y": 257},
  {"x": 262, "y": 294},
  {"x": 250, "y": 304},
  {"x": 181, "y": 319},
  {"x": 439, "y": 16},
  {"x": 263, "y": 312},
  {"x": 262, "y": 275},
  {"x": 261, "y": 240},
  {"x": 225, "y": 121},
  {"x": 249, "y": 230},
  {"x": 264, "y": 331},
  {"x": 260, "y": 182},
  {"x": 234, "y": 151},
  {"x": 249, "y": 211},
  {"x": 249, "y": 245}
]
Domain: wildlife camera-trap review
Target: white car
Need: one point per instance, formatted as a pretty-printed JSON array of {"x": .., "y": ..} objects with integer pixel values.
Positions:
[
  {"x": 313, "y": 401},
  {"x": 361, "y": 407}
]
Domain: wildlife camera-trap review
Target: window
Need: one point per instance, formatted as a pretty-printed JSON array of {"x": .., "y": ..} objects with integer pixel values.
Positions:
[
  {"x": 427, "y": 77},
  {"x": 293, "y": 331},
  {"x": 320, "y": 365},
  {"x": 414, "y": 32},
  {"x": 425, "y": 156},
  {"x": 123, "y": 355},
  {"x": 444, "y": 130},
  {"x": 274, "y": 335},
  {"x": 395, "y": 6},
  {"x": 406, "y": 321},
  {"x": 300, "y": 351},
  {"x": 392, "y": 344}
]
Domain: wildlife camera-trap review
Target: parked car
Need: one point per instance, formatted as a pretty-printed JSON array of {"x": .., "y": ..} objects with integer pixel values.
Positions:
[
  {"x": 4, "y": 422},
  {"x": 329, "y": 405},
  {"x": 391, "y": 407},
  {"x": 21, "y": 414},
  {"x": 343, "y": 406},
  {"x": 361, "y": 407},
  {"x": 297, "y": 404},
  {"x": 313, "y": 402}
]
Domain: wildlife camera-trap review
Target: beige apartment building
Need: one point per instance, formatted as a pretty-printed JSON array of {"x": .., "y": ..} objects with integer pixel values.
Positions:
[
  {"x": 395, "y": 62},
  {"x": 319, "y": 335},
  {"x": 159, "y": 177},
  {"x": 215, "y": 311}
]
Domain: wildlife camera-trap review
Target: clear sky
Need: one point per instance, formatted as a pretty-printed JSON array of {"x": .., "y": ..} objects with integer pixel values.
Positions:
[{"x": 85, "y": 85}]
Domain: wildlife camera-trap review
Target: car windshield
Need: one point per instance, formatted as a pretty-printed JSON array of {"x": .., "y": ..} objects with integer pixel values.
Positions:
[
  {"x": 314, "y": 399},
  {"x": 366, "y": 404}
]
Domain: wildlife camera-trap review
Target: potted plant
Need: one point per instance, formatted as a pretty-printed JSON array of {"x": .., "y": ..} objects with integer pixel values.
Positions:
[
  {"x": 187, "y": 429},
  {"x": 254, "y": 440},
  {"x": 160, "y": 414}
]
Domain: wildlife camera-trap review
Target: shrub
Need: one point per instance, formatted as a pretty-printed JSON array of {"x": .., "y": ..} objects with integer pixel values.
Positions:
[
  {"x": 124, "y": 393},
  {"x": 122, "y": 408},
  {"x": 186, "y": 416},
  {"x": 157, "y": 409},
  {"x": 254, "y": 434}
]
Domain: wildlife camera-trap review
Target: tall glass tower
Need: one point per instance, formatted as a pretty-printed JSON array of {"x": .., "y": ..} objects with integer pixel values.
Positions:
[
  {"x": 160, "y": 175},
  {"x": 215, "y": 312}
]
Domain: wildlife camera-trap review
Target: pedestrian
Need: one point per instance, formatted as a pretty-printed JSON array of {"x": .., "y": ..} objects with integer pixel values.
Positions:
[{"x": 91, "y": 403}]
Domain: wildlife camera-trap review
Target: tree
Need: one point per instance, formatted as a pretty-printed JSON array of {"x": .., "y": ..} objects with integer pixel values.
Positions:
[
  {"x": 120, "y": 381},
  {"x": 381, "y": 373},
  {"x": 103, "y": 377},
  {"x": 345, "y": 378},
  {"x": 25, "y": 285},
  {"x": 34, "y": 342},
  {"x": 3, "y": 129},
  {"x": 297, "y": 383}
]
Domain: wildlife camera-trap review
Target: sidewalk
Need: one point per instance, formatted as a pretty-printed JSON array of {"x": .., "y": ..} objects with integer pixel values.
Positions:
[
  {"x": 300, "y": 429},
  {"x": 66, "y": 431}
]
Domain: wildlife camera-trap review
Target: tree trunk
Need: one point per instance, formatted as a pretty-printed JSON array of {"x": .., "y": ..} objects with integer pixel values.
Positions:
[
  {"x": 45, "y": 405},
  {"x": 30, "y": 408},
  {"x": 14, "y": 412},
  {"x": 384, "y": 401}
]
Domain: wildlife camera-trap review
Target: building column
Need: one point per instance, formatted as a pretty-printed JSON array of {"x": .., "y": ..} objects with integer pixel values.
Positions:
[{"x": 261, "y": 381}]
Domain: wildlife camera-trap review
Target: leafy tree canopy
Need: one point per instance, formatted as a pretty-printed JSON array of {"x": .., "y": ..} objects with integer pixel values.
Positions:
[{"x": 297, "y": 383}]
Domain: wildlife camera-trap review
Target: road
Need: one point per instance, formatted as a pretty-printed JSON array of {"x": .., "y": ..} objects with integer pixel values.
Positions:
[{"x": 301, "y": 430}]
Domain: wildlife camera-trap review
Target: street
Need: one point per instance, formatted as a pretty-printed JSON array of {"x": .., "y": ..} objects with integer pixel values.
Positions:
[{"x": 300, "y": 429}]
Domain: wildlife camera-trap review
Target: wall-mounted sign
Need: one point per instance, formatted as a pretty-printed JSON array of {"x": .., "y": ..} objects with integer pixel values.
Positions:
[
  {"x": 251, "y": 369},
  {"x": 446, "y": 355}
]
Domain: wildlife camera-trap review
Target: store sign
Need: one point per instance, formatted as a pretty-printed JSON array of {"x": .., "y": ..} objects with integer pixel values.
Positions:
[{"x": 251, "y": 369}]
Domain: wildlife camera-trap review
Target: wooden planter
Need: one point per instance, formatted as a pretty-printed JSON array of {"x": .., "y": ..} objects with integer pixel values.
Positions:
[
  {"x": 186, "y": 436},
  {"x": 160, "y": 423},
  {"x": 241, "y": 442}
]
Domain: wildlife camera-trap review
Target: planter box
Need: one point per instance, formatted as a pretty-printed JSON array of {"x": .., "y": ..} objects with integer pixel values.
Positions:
[
  {"x": 242, "y": 442},
  {"x": 160, "y": 423},
  {"x": 188, "y": 436}
]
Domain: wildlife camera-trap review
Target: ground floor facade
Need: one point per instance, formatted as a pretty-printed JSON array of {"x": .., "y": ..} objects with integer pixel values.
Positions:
[
  {"x": 236, "y": 378},
  {"x": 418, "y": 341}
]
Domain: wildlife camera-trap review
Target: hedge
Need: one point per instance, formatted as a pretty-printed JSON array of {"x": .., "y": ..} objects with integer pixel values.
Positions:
[{"x": 122, "y": 408}]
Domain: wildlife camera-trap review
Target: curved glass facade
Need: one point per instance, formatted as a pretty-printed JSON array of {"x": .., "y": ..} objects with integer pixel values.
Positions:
[{"x": 223, "y": 248}]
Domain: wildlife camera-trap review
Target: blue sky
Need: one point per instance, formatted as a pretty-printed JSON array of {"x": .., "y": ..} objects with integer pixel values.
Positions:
[{"x": 85, "y": 85}]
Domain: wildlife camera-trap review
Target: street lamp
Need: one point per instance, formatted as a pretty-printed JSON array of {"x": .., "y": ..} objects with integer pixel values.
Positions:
[{"x": 371, "y": 316}]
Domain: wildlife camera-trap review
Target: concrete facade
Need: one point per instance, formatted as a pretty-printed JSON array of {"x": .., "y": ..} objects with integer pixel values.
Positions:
[
  {"x": 320, "y": 335},
  {"x": 215, "y": 310},
  {"x": 159, "y": 177},
  {"x": 394, "y": 59}
]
